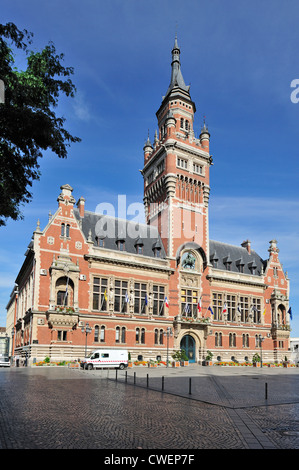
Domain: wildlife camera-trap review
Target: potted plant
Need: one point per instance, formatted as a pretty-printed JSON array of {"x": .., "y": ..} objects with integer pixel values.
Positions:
[
  {"x": 208, "y": 359},
  {"x": 130, "y": 364},
  {"x": 176, "y": 356},
  {"x": 256, "y": 360},
  {"x": 184, "y": 358}
]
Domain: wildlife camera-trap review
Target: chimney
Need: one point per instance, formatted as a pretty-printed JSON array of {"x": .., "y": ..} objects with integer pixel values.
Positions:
[
  {"x": 247, "y": 244},
  {"x": 80, "y": 205}
]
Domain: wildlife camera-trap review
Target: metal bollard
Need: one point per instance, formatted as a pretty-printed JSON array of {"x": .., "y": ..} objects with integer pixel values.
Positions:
[
  {"x": 266, "y": 391},
  {"x": 162, "y": 382},
  {"x": 146, "y": 380},
  {"x": 116, "y": 374},
  {"x": 190, "y": 386},
  {"x": 126, "y": 376},
  {"x": 134, "y": 378}
]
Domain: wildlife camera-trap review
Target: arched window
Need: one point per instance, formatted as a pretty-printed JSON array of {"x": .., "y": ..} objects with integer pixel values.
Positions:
[
  {"x": 96, "y": 334},
  {"x": 218, "y": 339},
  {"x": 117, "y": 334},
  {"x": 102, "y": 337},
  {"x": 182, "y": 123},
  {"x": 232, "y": 339},
  {"x": 142, "y": 339},
  {"x": 62, "y": 232},
  {"x": 137, "y": 335},
  {"x": 123, "y": 334},
  {"x": 161, "y": 336},
  {"x": 64, "y": 291}
]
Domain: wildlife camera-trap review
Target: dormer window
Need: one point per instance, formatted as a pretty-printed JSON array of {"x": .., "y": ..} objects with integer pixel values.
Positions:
[
  {"x": 252, "y": 267},
  {"x": 240, "y": 265},
  {"x": 157, "y": 249},
  {"x": 214, "y": 260},
  {"x": 227, "y": 262},
  {"x": 121, "y": 245},
  {"x": 139, "y": 246},
  {"x": 100, "y": 241}
]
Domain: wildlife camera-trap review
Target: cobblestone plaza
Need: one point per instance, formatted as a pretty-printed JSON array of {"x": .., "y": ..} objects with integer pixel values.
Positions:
[{"x": 188, "y": 408}]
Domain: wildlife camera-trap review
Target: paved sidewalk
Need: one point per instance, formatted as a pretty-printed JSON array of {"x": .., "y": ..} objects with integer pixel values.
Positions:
[{"x": 225, "y": 408}]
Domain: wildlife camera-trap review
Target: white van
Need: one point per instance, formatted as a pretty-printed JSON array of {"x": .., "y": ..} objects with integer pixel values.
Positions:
[{"x": 106, "y": 358}]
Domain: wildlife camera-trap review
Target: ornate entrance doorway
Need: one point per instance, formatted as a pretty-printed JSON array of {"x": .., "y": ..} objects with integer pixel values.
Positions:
[{"x": 188, "y": 344}]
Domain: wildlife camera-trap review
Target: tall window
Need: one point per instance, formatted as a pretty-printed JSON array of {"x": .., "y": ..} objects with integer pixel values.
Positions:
[
  {"x": 120, "y": 296},
  {"x": 256, "y": 310},
  {"x": 96, "y": 334},
  {"x": 139, "y": 298},
  {"x": 117, "y": 334},
  {"x": 159, "y": 335},
  {"x": 244, "y": 306},
  {"x": 120, "y": 334},
  {"x": 217, "y": 305},
  {"x": 245, "y": 339},
  {"x": 102, "y": 335},
  {"x": 100, "y": 294},
  {"x": 159, "y": 296},
  {"x": 140, "y": 335},
  {"x": 218, "y": 339},
  {"x": 231, "y": 307},
  {"x": 232, "y": 339},
  {"x": 189, "y": 301}
]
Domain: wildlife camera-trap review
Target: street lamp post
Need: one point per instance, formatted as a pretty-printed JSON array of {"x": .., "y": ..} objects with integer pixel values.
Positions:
[
  {"x": 87, "y": 329},
  {"x": 261, "y": 338},
  {"x": 167, "y": 333}
]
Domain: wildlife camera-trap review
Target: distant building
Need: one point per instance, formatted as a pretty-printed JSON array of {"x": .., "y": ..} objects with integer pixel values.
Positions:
[{"x": 131, "y": 283}]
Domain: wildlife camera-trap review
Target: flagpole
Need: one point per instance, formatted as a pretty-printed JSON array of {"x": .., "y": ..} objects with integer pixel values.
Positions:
[{"x": 65, "y": 295}]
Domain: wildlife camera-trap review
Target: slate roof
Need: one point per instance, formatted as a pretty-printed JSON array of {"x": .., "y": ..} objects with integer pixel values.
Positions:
[
  {"x": 236, "y": 255},
  {"x": 132, "y": 233}
]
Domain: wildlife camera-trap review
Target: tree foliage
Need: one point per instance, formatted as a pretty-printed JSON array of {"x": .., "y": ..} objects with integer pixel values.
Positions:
[{"x": 28, "y": 123}]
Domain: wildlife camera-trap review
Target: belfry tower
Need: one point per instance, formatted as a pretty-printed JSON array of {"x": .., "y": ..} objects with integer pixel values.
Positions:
[{"x": 176, "y": 169}]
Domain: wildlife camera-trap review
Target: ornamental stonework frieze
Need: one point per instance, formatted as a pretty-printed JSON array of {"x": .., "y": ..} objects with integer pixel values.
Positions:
[{"x": 56, "y": 319}]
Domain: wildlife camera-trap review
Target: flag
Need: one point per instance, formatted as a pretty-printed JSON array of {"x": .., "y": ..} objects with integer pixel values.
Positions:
[
  {"x": 239, "y": 309},
  {"x": 187, "y": 308},
  {"x": 199, "y": 306},
  {"x": 254, "y": 309},
  {"x": 145, "y": 299},
  {"x": 105, "y": 295},
  {"x": 224, "y": 308},
  {"x": 210, "y": 309},
  {"x": 127, "y": 297},
  {"x": 65, "y": 295},
  {"x": 290, "y": 313},
  {"x": 264, "y": 312},
  {"x": 166, "y": 302}
]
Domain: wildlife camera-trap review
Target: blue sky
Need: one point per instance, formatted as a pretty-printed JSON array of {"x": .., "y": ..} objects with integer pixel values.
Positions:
[{"x": 239, "y": 57}]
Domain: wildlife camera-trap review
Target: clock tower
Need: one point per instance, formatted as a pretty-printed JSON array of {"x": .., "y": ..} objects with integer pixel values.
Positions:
[{"x": 176, "y": 170}]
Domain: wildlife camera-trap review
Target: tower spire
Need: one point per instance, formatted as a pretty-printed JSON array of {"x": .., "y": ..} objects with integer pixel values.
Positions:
[{"x": 177, "y": 79}]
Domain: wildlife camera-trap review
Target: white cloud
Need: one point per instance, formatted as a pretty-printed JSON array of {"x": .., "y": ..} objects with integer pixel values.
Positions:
[{"x": 81, "y": 107}]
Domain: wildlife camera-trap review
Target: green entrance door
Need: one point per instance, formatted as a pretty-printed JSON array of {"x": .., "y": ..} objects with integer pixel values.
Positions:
[{"x": 188, "y": 344}]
